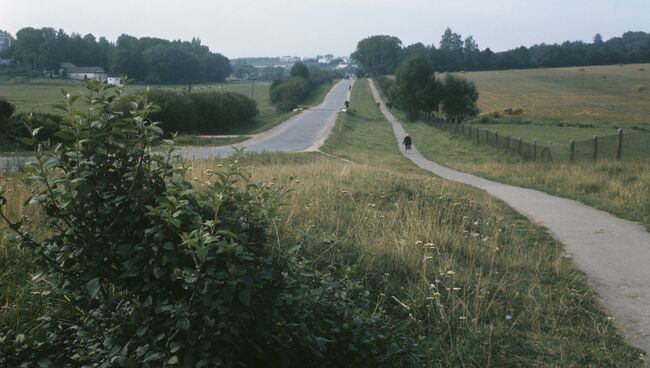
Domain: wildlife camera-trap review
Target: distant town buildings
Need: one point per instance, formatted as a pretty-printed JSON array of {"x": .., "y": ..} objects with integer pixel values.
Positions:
[
  {"x": 325, "y": 59},
  {"x": 289, "y": 59},
  {"x": 5, "y": 40}
]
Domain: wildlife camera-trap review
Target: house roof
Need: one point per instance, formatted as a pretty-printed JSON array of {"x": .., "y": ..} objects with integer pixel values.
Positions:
[
  {"x": 87, "y": 69},
  {"x": 5, "y": 34},
  {"x": 71, "y": 68}
]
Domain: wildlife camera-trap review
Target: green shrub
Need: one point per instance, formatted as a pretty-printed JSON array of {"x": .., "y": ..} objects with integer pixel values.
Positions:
[
  {"x": 13, "y": 129},
  {"x": 202, "y": 112},
  {"x": 287, "y": 94},
  {"x": 219, "y": 112},
  {"x": 148, "y": 271},
  {"x": 177, "y": 111},
  {"x": 6, "y": 109}
]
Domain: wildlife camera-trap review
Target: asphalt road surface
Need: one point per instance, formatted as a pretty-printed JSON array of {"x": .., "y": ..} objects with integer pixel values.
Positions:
[{"x": 303, "y": 132}]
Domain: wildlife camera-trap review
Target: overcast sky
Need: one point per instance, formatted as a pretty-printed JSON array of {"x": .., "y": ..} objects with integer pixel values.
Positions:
[{"x": 240, "y": 28}]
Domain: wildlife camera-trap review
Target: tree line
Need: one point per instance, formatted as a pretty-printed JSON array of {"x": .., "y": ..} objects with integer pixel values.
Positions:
[
  {"x": 382, "y": 54},
  {"x": 147, "y": 59}
]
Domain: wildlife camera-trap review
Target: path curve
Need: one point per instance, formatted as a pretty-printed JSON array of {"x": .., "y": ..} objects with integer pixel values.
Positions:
[{"x": 614, "y": 253}]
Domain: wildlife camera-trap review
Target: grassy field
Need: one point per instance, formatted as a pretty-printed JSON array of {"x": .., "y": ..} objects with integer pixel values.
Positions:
[
  {"x": 621, "y": 188},
  {"x": 611, "y": 95},
  {"x": 473, "y": 283}
]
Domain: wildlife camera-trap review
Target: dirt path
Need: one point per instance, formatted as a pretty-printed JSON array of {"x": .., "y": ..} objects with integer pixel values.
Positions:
[{"x": 614, "y": 253}]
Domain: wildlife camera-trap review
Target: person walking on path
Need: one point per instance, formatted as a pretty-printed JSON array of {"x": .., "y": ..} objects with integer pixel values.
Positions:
[{"x": 407, "y": 143}]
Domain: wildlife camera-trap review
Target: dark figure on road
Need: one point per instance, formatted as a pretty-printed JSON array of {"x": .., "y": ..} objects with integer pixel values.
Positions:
[
  {"x": 407, "y": 143},
  {"x": 347, "y": 104},
  {"x": 389, "y": 105},
  {"x": 378, "y": 104}
]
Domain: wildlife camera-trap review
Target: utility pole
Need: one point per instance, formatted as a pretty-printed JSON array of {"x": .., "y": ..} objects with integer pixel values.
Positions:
[{"x": 253, "y": 89}]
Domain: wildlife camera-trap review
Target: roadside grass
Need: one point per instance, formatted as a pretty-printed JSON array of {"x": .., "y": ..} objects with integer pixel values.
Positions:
[
  {"x": 362, "y": 135},
  {"x": 611, "y": 94},
  {"x": 471, "y": 281},
  {"x": 198, "y": 140},
  {"x": 618, "y": 187}
]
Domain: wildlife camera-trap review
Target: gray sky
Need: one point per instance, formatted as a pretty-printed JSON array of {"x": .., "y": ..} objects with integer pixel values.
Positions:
[{"x": 238, "y": 28}]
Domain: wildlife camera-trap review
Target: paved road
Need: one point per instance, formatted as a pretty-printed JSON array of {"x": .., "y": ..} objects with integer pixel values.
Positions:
[
  {"x": 614, "y": 253},
  {"x": 304, "y": 132}
]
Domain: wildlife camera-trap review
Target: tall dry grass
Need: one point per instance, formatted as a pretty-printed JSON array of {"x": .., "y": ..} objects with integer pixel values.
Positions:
[{"x": 478, "y": 284}]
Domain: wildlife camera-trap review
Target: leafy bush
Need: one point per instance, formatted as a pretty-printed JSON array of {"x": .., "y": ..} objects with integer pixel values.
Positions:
[
  {"x": 148, "y": 271},
  {"x": 13, "y": 128},
  {"x": 220, "y": 111},
  {"x": 287, "y": 94},
  {"x": 6, "y": 109},
  {"x": 202, "y": 112}
]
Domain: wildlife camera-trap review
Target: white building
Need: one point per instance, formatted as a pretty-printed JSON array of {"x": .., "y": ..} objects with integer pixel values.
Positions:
[
  {"x": 5, "y": 40},
  {"x": 83, "y": 72}
]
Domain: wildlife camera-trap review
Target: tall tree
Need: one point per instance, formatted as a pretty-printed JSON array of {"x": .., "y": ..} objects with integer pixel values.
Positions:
[
  {"x": 460, "y": 97},
  {"x": 379, "y": 54},
  {"x": 28, "y": 45},
  {"x": 299, "y": 69},
  {"x": 416, "y": 87},
  {"x": 451, "y": 41}
]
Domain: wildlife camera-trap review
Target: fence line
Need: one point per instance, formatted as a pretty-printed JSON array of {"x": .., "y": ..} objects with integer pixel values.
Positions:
[{"x": 634, "y": 145}]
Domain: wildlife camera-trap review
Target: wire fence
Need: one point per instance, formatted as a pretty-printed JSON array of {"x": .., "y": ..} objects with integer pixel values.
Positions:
[{"x": 632, "y": 145}]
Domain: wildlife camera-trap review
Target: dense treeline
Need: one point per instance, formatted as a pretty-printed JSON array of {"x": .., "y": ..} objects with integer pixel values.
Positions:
[
  {"x": 382, "y": 54},
  {"x": 286, "y": 94},
  {"x": 202, "y": 112},
  {"x": 146, "y": 59}
]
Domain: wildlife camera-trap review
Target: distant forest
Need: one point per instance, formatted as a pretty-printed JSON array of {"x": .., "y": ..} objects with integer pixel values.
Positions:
[
  {"x": 145, "y": 59},
  {"x": 382, "y": 54}
]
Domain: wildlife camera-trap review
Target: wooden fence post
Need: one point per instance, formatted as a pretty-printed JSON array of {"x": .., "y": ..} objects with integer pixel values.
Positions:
[
  {"x": 595, "y": 153},
  {"x": 549, "y": 157},
  {"x": 619, "y": 144},
  {"x": 535, "y": 150},
  {"x": 572, "y": 150},
  {"x": 508, "y": 142},
  {"x": 496, "y": 137},
  {"x": 487, "y": 136},
  {"x": 478, "y": 135},
  {"x": 519, "y": 145}
]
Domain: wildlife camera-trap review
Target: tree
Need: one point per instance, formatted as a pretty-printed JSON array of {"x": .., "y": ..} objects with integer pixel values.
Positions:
[
  {"x": 598, "y": 39},
  {"x": 416, "y": 88},
  {"x": 299, "y": 69},
  {"x": 49, "y": 51},
  {"x": 28, "y": 46},
  {"x": 459, "y": 101},
  {"x": 379, "y": 54},
  {"x": 451, "y": 41},
  {"x": 170, "y": 63}
]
